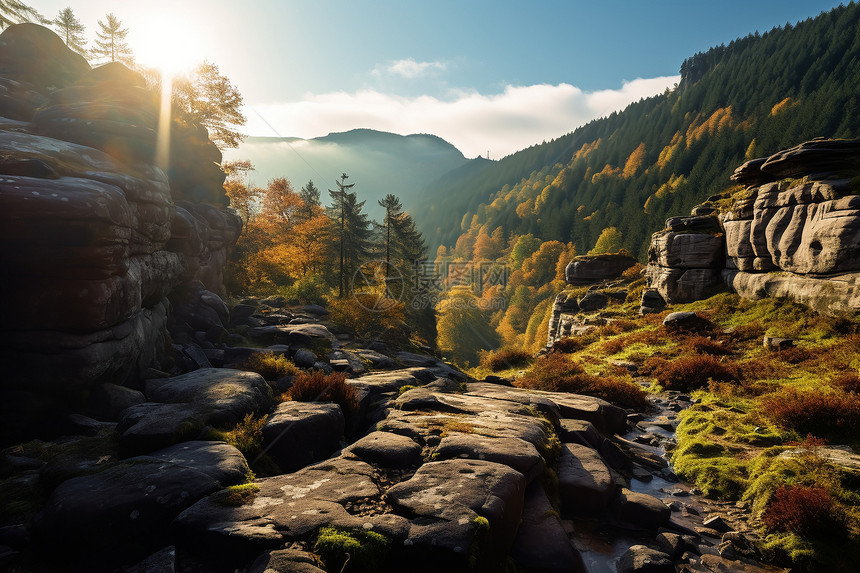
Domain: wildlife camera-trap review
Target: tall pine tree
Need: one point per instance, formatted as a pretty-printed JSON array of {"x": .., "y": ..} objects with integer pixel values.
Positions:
[
  {"x": 353, "y": 230},
  {"x": 111, "y": 45},
  {"x": 71, "y": 31},
  {"x": 16, "y": 12}
]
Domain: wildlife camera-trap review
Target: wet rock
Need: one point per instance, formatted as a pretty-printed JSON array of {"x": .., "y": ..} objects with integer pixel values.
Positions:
[
  {"x": 640, "y": 509},
  {"x": 585, "y": 483},
  {"x": 541, "y": 544},
  {"x": 299, "y": 433},
  {"x": 387, "y": 450},
  {"x": 671, "y": 544},
  {"x": 643, "y": 559}
]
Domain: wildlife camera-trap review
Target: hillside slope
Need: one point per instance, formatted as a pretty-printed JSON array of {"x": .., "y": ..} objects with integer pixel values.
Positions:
[
  {"x": 378, "y": 162},
  {"x": 664, "y": 154}
]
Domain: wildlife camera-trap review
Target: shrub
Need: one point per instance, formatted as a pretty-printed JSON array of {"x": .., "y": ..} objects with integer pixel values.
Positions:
[
  {"x": 795, "y": 355},
  {"x": 800, "y": 509},
  {"x": 822, "y": 413},
  {"x": 690, "y": 372},
  {"x": 556, "y": 373},
  {"x": 847, "y": 382},
  {"x": 270, "y": 366},
  {"x": 705, "y": 345},
  {"x": 569, "y": 345},
  {"x": 311, "y": 289},
  {"x": 317, "y": 386},
  {"x": 505, "y": 358},
  {"x": 246, "y": 436},
  {"x": 371, "y": 315}
]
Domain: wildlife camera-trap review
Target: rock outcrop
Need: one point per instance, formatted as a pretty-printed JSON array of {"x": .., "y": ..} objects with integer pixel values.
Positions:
[
  {"x": 791, "y": 232},
  {"x": 94, "y": 239}
]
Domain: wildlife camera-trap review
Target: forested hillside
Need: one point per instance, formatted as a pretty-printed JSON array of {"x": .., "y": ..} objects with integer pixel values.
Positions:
[{"x": 664, "y": 154}]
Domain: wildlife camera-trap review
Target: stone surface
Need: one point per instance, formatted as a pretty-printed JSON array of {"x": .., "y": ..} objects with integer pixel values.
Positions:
[
  {"x": 512, "y": 452},
  {"x": 114, "y": 510},
  {"x": 387, "y": 450},
  {"x": 589, "y": 269},
  {"x": 299, "y": 433},
  {"x": 640, "y": 509},
  {"x": 541, "y": 544},
  {"x": 286, "y": 560},
  {"x": 643, "y": 559},
  {"x": 584, "y": 481}
]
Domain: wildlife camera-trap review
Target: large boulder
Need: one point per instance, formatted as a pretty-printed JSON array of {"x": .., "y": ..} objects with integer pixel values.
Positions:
[
  {"x": 589, "y": 269},
  {"x": 584, "y": 480},
  {"x": 299, "y": 433}
]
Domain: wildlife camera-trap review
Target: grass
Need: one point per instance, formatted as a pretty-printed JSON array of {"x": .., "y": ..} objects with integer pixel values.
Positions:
[{"x": 270, "y": 366}]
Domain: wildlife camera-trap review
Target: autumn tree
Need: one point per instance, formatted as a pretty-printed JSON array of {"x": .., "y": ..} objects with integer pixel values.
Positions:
[
  {"x": 71, "y": 31},
  {"x": 242, "y": 196},
  {"x": 110, "y": 43},
  {"x": 463, "y": 327},
  {"x": 16, "y": 12},
  {"x": 609, "y": 241},
  {"x": 207, "y": 98}
]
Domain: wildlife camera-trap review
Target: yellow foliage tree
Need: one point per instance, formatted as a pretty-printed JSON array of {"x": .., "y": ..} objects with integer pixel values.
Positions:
[{"x": 634, "y": 161}]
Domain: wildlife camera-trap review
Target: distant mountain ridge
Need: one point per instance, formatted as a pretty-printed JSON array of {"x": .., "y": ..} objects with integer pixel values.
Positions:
[
  {"x": 377, "y": 162},
  {"x": 664, "y": 154}
]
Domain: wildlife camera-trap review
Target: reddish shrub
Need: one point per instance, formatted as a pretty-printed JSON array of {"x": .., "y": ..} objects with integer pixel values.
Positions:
[
  {"x": 747, "y": 332},
  {"x": 800, "y": 509},
  {"x": 319, "y": 387},
  {"x": 555, "y": 373},
  {"x": 833, "y": 413},
  {"x": 847, "y": 381},
  {"x": 705, "y": 345},
  {"x": 569, "y": 345},
  {"x": 505, "y": 358},
  {"x": 690, "y": 372},
  {"x": 795, "y": 355}
]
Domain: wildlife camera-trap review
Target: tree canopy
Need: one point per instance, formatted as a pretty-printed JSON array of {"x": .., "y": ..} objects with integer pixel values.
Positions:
[
  {"x": 207, "y": 98},
  {"x": 110, "y": 43},
  {"x": 17, "y": 12},
  {"x": 71, "y": 31}
]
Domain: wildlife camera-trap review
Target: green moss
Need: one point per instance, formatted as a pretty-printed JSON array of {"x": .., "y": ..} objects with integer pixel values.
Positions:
[
  {"x": 351, "y": 550},
  {"x": 482, "y": 530},
  {"x": 237, "y": 495}
]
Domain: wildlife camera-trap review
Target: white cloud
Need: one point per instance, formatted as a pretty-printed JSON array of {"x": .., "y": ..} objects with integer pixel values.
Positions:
[
  {"x": 475, "y": 123},
  {"x": 410, "y": 69}
]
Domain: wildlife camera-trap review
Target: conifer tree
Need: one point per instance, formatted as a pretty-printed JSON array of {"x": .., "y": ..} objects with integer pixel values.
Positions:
[
  {"x": 353, "y": 229},
  {"x": 71, "y": 31},
  {"x": 111, "y": 45},
  {"x": 310, "y": 195},
  {"x": 16, "y": 12}
]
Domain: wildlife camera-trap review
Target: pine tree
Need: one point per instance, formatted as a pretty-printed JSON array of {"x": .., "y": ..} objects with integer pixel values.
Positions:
[
  {"x": 353, "y": 228},
  {"x": 16, "y": 12},
  {"x": 393, "y": 208},
  {"x": 71, "y": 31},
  {"x": 111, "y": 45},
  {"x": 311, "y": 198}
]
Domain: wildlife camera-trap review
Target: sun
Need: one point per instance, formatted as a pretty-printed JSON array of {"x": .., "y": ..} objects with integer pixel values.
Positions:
[{"x": 170, "y": 45}]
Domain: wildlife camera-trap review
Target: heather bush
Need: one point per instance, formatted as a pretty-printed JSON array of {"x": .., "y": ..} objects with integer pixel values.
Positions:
[
  {"x": 829, "y": 413},
  {"x": 317, "y": 386},
  {"x": 569, "y": 345},
  {"x": 704, "y": 345},
  {"x": 800, "y": 509},
  {"x": 556, "y": 373},
  {"x": 847, "y": 382},
  {"x": 689, "y": 372},
  {"x": 505, "y": 358}
]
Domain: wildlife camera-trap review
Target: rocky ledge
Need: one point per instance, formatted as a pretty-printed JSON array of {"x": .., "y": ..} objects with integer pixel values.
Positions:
[{"x": 791, "y": 232}]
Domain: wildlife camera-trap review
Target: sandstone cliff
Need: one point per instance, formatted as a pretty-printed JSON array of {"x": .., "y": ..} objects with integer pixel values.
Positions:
[
  {"x": 95, "y": 237},
  {"x": 793, "y": 231}
]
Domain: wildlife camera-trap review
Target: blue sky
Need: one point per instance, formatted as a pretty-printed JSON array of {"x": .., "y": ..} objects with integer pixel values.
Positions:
[{"x": 491, "y": 76}]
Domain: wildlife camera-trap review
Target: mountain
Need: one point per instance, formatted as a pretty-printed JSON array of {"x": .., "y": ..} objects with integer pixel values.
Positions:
[
  {"x": 377, "y": 162},
  {"x": 664, "y": 154}
]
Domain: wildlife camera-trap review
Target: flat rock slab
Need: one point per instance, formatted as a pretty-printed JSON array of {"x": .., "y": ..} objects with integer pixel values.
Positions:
[
  {"x": 109, "y": 513},
  {"x": 541, "y": 544},
  {"x": 387, "y": 450},
  {"x": 181, "y": 406},
  {"x": 444, "y": 500},
  {"x": 299, "y": 433},
  {"x": 605, "y": 417},
  {"x": 515, "y": 453},
  {"x": 293, "y": 334},
  {"x": 585, "y": 482},
  {"x": 287, "y": 507},
  {"x": 579, "y": 432}
]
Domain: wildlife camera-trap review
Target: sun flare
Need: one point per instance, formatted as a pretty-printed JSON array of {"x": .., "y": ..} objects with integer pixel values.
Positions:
[{"x": 174, "y": 48}]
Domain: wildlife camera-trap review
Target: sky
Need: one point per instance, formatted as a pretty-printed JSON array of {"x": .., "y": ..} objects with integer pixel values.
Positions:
[{"x": 489, "y": 76}]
